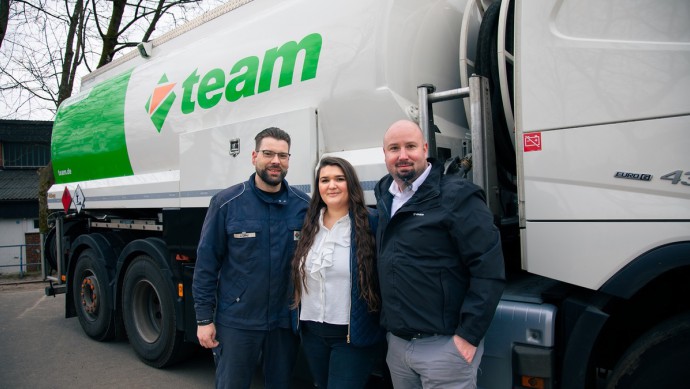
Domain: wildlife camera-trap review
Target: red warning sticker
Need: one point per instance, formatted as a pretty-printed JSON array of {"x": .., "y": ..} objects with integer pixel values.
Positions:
[
  {"x": 532, "y": 142},
  {"x": 66, "y": 199}
]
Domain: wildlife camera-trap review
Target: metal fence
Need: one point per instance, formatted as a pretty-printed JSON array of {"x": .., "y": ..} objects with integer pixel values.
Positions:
[{"x": 19, "y": 260}]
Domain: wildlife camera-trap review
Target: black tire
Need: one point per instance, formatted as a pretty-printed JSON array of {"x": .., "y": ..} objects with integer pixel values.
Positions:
[
  {"x": 149, "y": 314},
  {"x": 71, "y": 229},
  {"x": 658, "y": 359},
  {"x": 487, "y": 65},
  {"x": 93, "y": 297},
  {"x": 50, "y": 250}
]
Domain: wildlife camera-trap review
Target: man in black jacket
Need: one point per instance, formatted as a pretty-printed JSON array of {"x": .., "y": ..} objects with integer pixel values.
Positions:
[{"x": 440, "y": 266}]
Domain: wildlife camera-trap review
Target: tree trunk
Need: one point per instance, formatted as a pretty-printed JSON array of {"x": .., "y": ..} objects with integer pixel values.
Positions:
[
  {"x": 110, "y": 37},
  {"x": 65, "y": 89},
  {"x": 46, "y": 179}
]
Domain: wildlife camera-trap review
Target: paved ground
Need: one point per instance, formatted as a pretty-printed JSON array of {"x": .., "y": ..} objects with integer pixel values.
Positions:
[{"x": 39, "y": 348}]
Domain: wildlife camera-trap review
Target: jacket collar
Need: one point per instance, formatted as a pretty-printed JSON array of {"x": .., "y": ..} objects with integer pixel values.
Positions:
[
  {"x": 430, "y": 186},
  {"x": 280, "y": 197}
]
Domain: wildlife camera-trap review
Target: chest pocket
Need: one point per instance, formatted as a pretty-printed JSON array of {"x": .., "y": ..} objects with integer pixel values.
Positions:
[
  {"x": 294, "y": 227},
  {"x": 244, "y": 239}
]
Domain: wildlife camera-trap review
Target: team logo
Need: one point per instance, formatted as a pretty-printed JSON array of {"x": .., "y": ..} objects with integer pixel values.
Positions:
[
  {"x": 160, "y": 101},
  {"x": 247, "y": 77}
]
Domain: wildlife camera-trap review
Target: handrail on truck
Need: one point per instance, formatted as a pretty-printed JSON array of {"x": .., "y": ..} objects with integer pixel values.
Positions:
[{"x": 483, "y": 153}]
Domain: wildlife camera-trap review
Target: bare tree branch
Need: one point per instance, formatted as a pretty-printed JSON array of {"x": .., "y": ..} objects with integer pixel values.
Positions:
[
  {"x": 46, "y": 46},
  {"x": 141, "y": 12},
  {"x": 156, "y": 17}
]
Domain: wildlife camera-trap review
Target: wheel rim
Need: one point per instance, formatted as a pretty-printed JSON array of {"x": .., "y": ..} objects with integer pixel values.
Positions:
[
  {"x": 147, "y": 312},
  {"x": 90, "y": 295}
]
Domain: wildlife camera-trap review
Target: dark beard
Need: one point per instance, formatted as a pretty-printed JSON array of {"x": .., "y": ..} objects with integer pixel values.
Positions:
[
  {"x": 265, "y": 177},
  {"x": 408, "y": 177}
]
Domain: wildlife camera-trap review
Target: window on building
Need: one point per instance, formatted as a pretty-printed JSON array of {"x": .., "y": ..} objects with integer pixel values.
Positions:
[{"x": 26, "y": 155}]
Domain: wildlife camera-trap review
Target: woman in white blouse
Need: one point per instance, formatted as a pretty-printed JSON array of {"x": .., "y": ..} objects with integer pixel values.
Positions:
[{"x": 334, "y": 276}]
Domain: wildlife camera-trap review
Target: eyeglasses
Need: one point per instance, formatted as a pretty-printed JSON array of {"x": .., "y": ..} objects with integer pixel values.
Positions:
[{"x": 270, "y": 154}]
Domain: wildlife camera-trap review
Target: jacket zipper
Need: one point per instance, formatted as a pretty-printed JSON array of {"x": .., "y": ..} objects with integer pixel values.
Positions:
[
  {"x": 349, "y": 313},
  {"x": 352, "y": 262}
]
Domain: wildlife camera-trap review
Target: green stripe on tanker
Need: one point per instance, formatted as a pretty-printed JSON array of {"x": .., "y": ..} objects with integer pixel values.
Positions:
[{"x": 89, "y": 135}]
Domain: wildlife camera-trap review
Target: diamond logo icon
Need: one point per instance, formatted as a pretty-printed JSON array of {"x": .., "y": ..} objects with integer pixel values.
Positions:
[{"x": 159, "y": 103}]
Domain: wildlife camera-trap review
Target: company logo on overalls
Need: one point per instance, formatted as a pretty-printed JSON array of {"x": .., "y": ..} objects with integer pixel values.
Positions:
[{"x": 249, "y": 76}]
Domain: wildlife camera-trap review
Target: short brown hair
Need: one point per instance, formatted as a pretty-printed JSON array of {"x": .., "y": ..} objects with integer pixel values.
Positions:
[{"x": 271, "y": 132}]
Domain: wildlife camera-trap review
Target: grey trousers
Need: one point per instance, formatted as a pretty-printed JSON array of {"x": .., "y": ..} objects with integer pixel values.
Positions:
[{"x": 432, "y": 362}]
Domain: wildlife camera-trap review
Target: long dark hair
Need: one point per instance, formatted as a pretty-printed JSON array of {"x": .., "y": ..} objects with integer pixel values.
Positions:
[{"x": 364, "y": 239}]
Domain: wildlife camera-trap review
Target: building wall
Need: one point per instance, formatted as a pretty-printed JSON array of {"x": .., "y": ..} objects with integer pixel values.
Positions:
[
  {"x": 24, "y": 147},
  {"x": 15, "y": 233}
]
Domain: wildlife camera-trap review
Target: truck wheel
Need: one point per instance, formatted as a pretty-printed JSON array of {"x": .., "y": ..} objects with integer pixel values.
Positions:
[
  {"x": 659, "y": 359},
  {"x": 92, "y": 297},
  {"x": 50, "y": 250},
  {"x": 149, "y": 314}
]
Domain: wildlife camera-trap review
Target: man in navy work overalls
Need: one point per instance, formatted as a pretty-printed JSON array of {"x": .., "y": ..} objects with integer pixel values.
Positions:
[{"x": 241, "y": 278}]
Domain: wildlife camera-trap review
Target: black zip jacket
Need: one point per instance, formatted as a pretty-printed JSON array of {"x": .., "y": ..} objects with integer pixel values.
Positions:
[{"x": 440, "y": 261}]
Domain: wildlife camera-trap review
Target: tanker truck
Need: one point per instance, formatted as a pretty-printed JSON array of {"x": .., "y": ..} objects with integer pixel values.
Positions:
[{"x": 572, "y": 115}]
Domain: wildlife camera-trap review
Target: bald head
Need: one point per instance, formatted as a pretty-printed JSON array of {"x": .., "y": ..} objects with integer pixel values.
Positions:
[
  {"x": 405, "y": 151},
  {"x": 402, "y": 126}
]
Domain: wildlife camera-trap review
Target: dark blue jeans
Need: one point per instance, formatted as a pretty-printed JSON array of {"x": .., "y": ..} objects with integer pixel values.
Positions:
[
  {"x": 334, "y": 363},
  {"x": 238, "y": 354}
]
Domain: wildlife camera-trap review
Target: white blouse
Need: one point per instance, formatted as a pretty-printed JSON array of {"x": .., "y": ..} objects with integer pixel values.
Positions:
[{"x": 327, "y": 296}]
